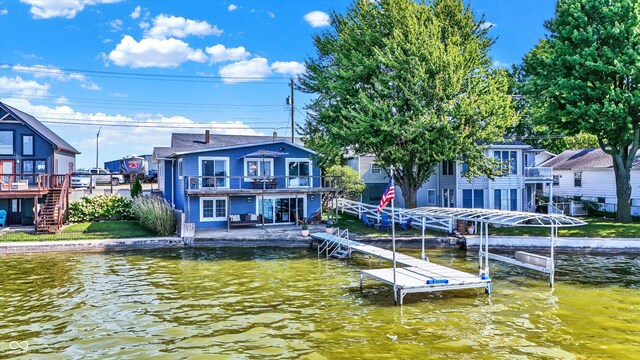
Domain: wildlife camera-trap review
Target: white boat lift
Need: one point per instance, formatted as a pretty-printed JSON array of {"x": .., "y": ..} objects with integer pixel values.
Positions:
[{"x": 415, "y": 276}]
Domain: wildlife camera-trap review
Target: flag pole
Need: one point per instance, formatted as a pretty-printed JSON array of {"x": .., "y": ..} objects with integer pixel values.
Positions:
[{"x": 393, "y": 242}]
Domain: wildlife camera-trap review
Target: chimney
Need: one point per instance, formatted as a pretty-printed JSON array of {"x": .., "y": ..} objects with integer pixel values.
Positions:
[
  {"x": 207, "y": 136},
  {"x": 275, "y": 135}
]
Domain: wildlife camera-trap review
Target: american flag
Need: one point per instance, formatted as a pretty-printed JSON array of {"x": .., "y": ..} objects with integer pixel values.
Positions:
[{"x": 389, "y": 194}]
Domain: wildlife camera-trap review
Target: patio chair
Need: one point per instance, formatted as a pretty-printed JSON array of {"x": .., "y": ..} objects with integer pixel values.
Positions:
[
  {"x": 385, "y": 223},
  {"x": 366, "y": 220},
  {"x": 3, "y": 217},
  {"x": 406, "y": 225}
]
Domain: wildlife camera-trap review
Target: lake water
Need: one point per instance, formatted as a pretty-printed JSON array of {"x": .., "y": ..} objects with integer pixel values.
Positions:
[{"x": 284, "y": 303}]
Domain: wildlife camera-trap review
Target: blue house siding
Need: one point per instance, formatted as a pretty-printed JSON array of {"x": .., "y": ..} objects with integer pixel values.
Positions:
[
  {"x": 239, "y": 204},
  {"x": 42, "y": 149}
]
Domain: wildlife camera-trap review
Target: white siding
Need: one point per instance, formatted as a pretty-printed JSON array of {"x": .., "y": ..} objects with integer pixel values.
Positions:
[{"x": 595, "y": 183}]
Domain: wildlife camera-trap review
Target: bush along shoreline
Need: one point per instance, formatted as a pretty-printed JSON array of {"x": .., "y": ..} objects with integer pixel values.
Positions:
[{"x": 155, "y": 214}]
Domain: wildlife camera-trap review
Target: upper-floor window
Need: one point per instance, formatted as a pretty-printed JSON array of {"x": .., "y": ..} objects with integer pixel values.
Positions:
[
  {"x": 375, "y": 168},
  {"x": 298, "y": 172},
  {"x": 180, "y": 173},
  {"x": 27, "y": 145},
  {"x": 6, "y": 142},
  {"x": 508, "y": 160},
  {"x": 577, "y": 179},
  {"x": 556, "y": 180},
  {"x": 431, "y": 196},
  {"x": 257, "y": 167},
  {"x": 448, "y": 167},
  {"x": 215, "y": 172}
]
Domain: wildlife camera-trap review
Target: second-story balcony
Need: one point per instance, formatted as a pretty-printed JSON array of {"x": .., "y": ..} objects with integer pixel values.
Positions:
[
  {"x": 26, "y": 185},
  {"x": 247, "y": 185},
  {"x": 538, "y": 174}
]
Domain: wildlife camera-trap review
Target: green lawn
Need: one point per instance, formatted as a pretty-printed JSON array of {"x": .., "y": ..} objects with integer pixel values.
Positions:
[
  {"x": 86, "y": 231},
  {"x": 356, "y": 226},
  {"x": 596, "y": 228}
]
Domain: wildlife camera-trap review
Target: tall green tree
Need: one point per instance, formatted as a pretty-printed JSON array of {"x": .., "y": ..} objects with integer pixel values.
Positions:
[
  {"x": 410, "y": 82},
  {"x": 585, "y": 78}
]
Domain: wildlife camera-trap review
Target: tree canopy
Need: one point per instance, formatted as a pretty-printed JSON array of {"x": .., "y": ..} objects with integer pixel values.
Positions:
[
  {"x": 409, "y": 82},
  {"x": 584, "y": 78}
]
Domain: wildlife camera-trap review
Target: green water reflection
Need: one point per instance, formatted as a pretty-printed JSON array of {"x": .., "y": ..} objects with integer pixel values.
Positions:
[{"x": 284, "y": 303}]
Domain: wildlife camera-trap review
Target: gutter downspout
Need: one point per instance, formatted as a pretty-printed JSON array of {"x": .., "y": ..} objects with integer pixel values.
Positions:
[{"x": 173, "y": 185}]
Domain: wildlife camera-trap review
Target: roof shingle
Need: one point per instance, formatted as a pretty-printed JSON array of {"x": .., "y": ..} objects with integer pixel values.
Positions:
[{"x": 582, "y": 159}]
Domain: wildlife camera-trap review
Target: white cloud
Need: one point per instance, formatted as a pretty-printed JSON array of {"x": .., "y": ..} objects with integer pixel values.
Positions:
[
  {"x": 21, "y": 87},
  {"x": 116, "y": 142},
  {"x": 500, "y": 64},
  {"x": 271, "y": 15},
  {"x": 46, "y": 9},
  {"x": 317, "y": 19},
  {"x": 245, "y": 70},
  {"x": 106, "y": 41},
  {"x": 61, "y": 100},
  {"x": 4, "y": 11},
  {"x": 174, "y": 26},
  {"x": 135, "y": 13},
  {"x": 232, "y": 7},
  {"x": 116, "y": 25},
  {"x": 487, "y": 25},
  {"x": 165, "y": 53},
  {"x": 219, "y": 53},
  {"x": 52, "y": 72},
  {"x": 288, "y": 67},
  {"x": 144, "y": 25}
]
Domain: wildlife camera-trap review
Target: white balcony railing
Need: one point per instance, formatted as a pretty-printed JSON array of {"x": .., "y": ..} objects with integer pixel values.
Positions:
[{"x": 538, "y": 173}]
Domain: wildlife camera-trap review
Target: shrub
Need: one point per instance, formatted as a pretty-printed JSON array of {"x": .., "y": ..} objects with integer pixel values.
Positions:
[
  {"x": 591, "y": 207},
  {"x": 136, "y": 189},
  {"x": 155, "y": 214},
  {"x": 100, "y": 207}
]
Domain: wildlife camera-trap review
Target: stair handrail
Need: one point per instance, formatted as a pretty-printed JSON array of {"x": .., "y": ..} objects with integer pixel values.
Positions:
[
  {"x": 340, "y": 241},
  {"x": 62, "y": 201},
  {"x": 325, "y": 244}
]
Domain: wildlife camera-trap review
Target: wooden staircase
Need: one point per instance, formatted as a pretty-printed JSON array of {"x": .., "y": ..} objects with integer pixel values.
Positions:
[{"x": 53, "y": 211}]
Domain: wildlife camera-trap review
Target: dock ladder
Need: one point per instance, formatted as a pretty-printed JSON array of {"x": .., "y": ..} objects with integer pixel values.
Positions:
[{"x": 336, "y": 245}]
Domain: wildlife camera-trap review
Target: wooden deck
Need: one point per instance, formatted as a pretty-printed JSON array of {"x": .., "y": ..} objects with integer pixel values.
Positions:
[
  {"x": 413, "y": 275},
  {"x": 23, "y": 193}
]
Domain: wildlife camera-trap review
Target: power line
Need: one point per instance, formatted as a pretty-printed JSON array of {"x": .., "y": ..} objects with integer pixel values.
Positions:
[{"x": 165, "y": 125}]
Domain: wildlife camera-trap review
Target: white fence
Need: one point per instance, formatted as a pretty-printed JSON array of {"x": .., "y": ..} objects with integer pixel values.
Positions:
[{"x": 357, "y": 208}]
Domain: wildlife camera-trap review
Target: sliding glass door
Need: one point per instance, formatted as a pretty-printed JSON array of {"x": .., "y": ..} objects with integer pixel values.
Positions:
[{"x": 281, "y": 210}]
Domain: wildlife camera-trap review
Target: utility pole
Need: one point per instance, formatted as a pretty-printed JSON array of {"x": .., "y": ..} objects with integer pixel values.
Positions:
[
  {"x": 293, "y": 131},
  {"x": 97, "y": 136}
]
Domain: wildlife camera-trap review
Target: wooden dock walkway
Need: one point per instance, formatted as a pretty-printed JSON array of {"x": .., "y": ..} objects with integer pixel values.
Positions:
[{"x": 413, "y": 275}]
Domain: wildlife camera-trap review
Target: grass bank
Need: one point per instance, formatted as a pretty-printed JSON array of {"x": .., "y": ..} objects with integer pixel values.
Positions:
[
  {"x": 596, "y": 228},
  {"x": 85, "y": 231}
]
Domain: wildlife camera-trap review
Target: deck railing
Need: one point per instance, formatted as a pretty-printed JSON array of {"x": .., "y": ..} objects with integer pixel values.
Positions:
[
  {"x": 261, "y": 182},
  {"x": 538, "y": 173},
  {"x": 30, "y": 182}
]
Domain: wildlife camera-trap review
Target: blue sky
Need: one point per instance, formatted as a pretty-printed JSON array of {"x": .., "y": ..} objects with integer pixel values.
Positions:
[{"x": 69, "y": 64}]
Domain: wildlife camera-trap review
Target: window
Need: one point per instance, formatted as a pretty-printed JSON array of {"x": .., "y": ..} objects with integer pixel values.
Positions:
[
  {"x": 213, "y": 209},
  {"x": 465, "y": 168},
  {"x": 448, "y": 168},
  {"x": 577, "y": 179},
  {"x": 28, "y": 166},
  {"x": 602, "y": 200},
  {"x": 508, "y": 161},
  {"x": 505, "y": 199},
  {"x": 431, "y": 196},
  {"x": 34, "y": 166},
  {"x": 257, "y": 167},
  {"x": 473, "y": 199},
  {"x": 27, "y": 145},
  {"x": 556, "y": 180},
  {"x": 375, "y": 168},
  {"x": 180, "y": 168},
  {"x": 298, "y": 172},
  {"x": 41, "y": 166},
  {"x": 6, "y": 142},
  {"x": 448, "y": 199},
  {"x": 214, "y": 171}
]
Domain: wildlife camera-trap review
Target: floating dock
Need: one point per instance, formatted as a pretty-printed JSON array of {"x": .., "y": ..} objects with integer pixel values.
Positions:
[{"x": 415, "y": 275}]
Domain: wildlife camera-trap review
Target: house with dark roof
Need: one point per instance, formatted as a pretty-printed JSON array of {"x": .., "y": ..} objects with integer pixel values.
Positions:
[
  {"x": 448, "y": 186},
  {"x": 220, "y": 181},
  {"x": 587, "y": 174},
  {"x": 34, "y": 162}
]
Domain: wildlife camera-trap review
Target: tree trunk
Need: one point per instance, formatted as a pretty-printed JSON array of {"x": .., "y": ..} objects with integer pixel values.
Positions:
[
  {"x": 623, "y": 190},
  {"x": 409, "y": 192}
]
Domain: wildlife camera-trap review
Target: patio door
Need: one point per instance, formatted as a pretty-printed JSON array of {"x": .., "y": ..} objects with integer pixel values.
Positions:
[
  {"x": 7, "y": 167},
  {"x": 281, "y": 210}
]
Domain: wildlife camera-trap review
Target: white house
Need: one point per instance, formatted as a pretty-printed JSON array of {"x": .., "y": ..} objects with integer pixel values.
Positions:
[
  {"x": 448, "y": 187},
  {"x": 587, "y": 174}
]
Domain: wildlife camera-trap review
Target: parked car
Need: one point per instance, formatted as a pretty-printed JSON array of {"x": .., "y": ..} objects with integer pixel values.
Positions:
[
  {"x": 82, "y": 179},
  {"x": 103, "y": 176}
]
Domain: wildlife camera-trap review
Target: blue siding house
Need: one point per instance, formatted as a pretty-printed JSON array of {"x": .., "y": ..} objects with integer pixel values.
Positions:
[
  {"x": 34, "y": 161},
  {"x": 213, "y": 178}
]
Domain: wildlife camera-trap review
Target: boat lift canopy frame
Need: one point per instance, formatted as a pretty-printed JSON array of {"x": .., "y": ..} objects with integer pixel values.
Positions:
[{"x": 499, "y": 217}]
